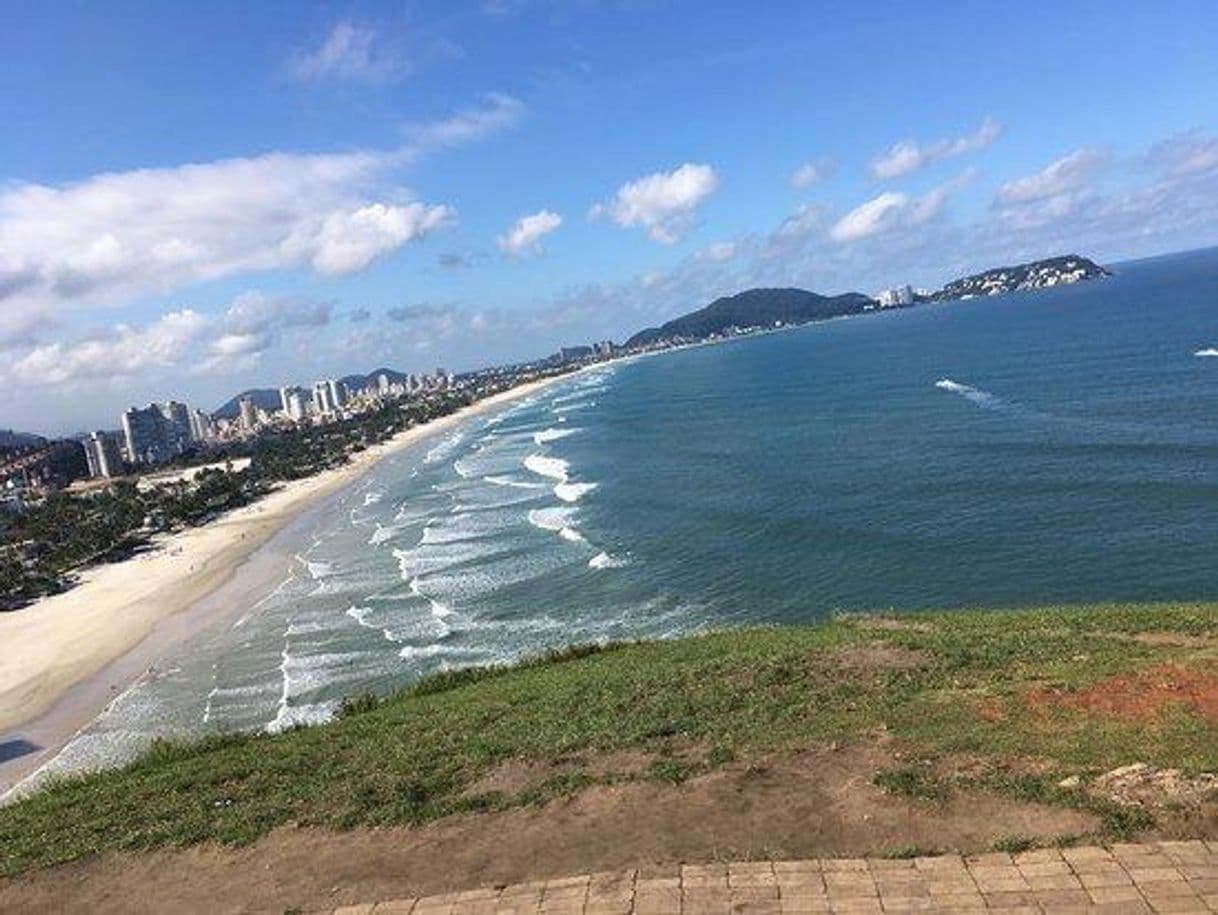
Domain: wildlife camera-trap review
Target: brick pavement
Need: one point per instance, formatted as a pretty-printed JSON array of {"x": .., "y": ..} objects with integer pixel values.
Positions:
[{"x": 1168, "y": 877}]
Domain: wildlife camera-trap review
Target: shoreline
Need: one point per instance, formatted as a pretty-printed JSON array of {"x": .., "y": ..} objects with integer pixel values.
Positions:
[{"x": 68, "y": 656}]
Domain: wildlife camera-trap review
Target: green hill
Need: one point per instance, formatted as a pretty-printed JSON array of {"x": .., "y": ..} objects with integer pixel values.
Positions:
[{"x": 1027, "y": 698}]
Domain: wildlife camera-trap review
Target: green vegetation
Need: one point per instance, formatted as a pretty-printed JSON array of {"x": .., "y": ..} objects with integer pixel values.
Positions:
[{"x": 1006, "y": 703}]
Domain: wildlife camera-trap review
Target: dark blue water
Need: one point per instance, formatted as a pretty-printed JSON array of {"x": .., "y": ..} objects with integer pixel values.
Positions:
[
  {"x": 1059, "y": 446},
  {"x": 1046, "y": 447}
]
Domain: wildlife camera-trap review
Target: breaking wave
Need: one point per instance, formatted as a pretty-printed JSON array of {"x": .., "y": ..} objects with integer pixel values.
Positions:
[
  {"x": 968, "y": 392},
  {"x": 551, "y": 435}
]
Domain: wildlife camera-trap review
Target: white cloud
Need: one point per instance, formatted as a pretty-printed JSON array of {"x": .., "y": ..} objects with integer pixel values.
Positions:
[
  {"x": 1066, "y": 175},
  {"x": 347, "y": 53},
  {"x": 117, "y": 235},
  {"x": 892, "y": 210},
  {"x": 349, "y": 241},
  {"x": 497, "y": 113},
  {"x": 876, "y": 215},
  {"x": 663, "y": 203},
  {"x": 721, "y": 250},
  {"x": 1185, "y": 155},
  {"x": 183, "y": 341},
  {"x": 525, "y": 235},
  {"x": 908, "y": 155},
  {"x": 122, "y": 350},
  {"x": 812, "y": 172}
]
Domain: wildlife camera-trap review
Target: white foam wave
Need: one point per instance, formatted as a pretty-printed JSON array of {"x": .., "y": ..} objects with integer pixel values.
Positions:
[
  {"x": 968, "y": 392},
  {"x": 573, "y": 492},
  {"x": 605, "y": 561},
  {"x": 1208, "y": 352},
  {"x": 556, "y": 520},
  {"x": 461, "y": 469},
  {"x": 371, "y": 498},
  {"x": 508, "y": 481},
  {"x": 319, "y": 570},
  {"x": 551, "y": 435},
  {"x": 545, "y": 466},
  {"x": 572, "y": 407}
]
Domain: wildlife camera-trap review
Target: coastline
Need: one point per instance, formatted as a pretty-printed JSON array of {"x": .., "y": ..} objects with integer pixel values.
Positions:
[{"x": 66, "y": 657}]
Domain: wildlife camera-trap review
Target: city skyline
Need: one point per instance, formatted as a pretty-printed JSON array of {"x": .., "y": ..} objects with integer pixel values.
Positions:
[{"x": 407, "y": 186}]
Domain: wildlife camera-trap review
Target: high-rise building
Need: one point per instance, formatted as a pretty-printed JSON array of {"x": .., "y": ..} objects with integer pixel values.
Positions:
[
  {"x": 103, "y": 456},
  {"x": 177, "y": 429},
  {"x": 338, "y": 393},
  {"x": 144, "y": 435},
  {"x": 200, "y": 426},
  {"x": 295, "y": 405},
  {"x": 247, "y": 415},
  {"x": 382, "y": 384},
  {"x": 322, "y": 402}
]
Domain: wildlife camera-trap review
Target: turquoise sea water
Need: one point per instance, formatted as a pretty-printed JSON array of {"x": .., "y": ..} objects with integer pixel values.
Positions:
[{"x": 1048, "y": 447}]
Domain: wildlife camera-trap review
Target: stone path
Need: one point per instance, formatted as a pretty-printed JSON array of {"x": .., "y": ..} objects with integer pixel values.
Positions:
[{"x": 1157, "y": 877}]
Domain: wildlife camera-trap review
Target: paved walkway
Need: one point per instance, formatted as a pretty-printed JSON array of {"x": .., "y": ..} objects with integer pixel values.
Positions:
[{"x": 1158, "y": 877}]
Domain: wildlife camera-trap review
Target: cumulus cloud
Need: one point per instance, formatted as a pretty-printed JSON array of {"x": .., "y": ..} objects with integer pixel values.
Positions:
[
  {"x": 812, "y": 172},
  {"x": 1065, "y": 175},
  {"x": 349, "y": 241},
  {"x": 121, "y": 350},
  {"x": 893, "y": 210},
  {"x": 525, "y": 235},
  {"x": 1054, "y": 192},
  {"x": 347, "y": 53},
  {"x": 117, "y": 235},
  {"x": 909, "y": 155},
  {"x": 358, "y": 315},
  {"x": 183, "y": 341},
  {"x": 664, "y": 203},
  {"x": 869, "y": 218}
]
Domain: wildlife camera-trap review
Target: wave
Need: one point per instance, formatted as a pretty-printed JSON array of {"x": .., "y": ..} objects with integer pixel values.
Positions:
[
  {"x": 968, "y": 392},
  {"x": 371, "y": 498},
  {"x": 558, "y": 521},
  {"x": 551, "y": 435},
  {"x": 572, "y": 407},
  {"x": 1209, "y": 351},
  {"x": 544, "y": 466},
  {"x": 508, "y": 481},
  {"x": 573, "y": 492},
  {"x": 605, "y": 561},
  {"x": 461, "y": 469}
]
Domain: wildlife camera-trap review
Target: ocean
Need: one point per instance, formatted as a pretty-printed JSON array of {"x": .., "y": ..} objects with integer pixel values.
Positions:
[{"x": 1049, "y": 447}]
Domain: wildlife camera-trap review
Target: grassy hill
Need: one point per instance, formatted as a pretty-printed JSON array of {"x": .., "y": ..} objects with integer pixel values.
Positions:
[{"x": 1033, "y": 705}]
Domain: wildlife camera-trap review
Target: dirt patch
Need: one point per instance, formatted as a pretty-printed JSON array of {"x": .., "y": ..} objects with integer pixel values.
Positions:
[
  {"x": 514, "y": 776},
  {"x": 1150, "y": 786},
  {"x": 893, "y": 624},
  {"x": 818, "y": 802},
  {"x": 873, "y": 658},
  {"x": 1167, "y": 639},
  {"x": 1142, "y": 695}
]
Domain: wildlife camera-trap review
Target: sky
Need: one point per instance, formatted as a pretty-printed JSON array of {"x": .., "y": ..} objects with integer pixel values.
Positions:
[{"x": 200, "y": 198}]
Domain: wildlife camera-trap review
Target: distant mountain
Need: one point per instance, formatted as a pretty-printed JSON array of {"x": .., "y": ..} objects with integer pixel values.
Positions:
[
  {"x": 268, "y": 398},
  {"x": 753, "y": 308},
  {"x": 264, "y": 399},
  {"x": 10, "y": 440},
  {"x": 1053, "y": 271}
]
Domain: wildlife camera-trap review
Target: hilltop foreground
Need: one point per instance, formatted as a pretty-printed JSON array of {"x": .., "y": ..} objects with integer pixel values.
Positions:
[{"x": 887, "y": 736}]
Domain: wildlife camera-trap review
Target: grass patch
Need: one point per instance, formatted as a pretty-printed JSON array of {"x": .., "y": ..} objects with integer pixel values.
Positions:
[
  {"x": 956, "y": 683},
  {"x": 918, "y": 783}
]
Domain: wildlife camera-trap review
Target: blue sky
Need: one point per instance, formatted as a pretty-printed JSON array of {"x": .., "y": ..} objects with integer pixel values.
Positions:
[{"x": 197, "y": 198}]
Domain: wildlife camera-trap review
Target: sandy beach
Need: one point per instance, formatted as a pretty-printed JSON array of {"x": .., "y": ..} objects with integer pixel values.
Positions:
[{"x": 77, "y": 648}]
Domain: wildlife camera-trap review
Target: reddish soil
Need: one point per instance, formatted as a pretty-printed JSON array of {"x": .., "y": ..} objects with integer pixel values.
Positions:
[
  {"x": 814, "y": 803},
  {"x": 1142, "y": 695}
]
